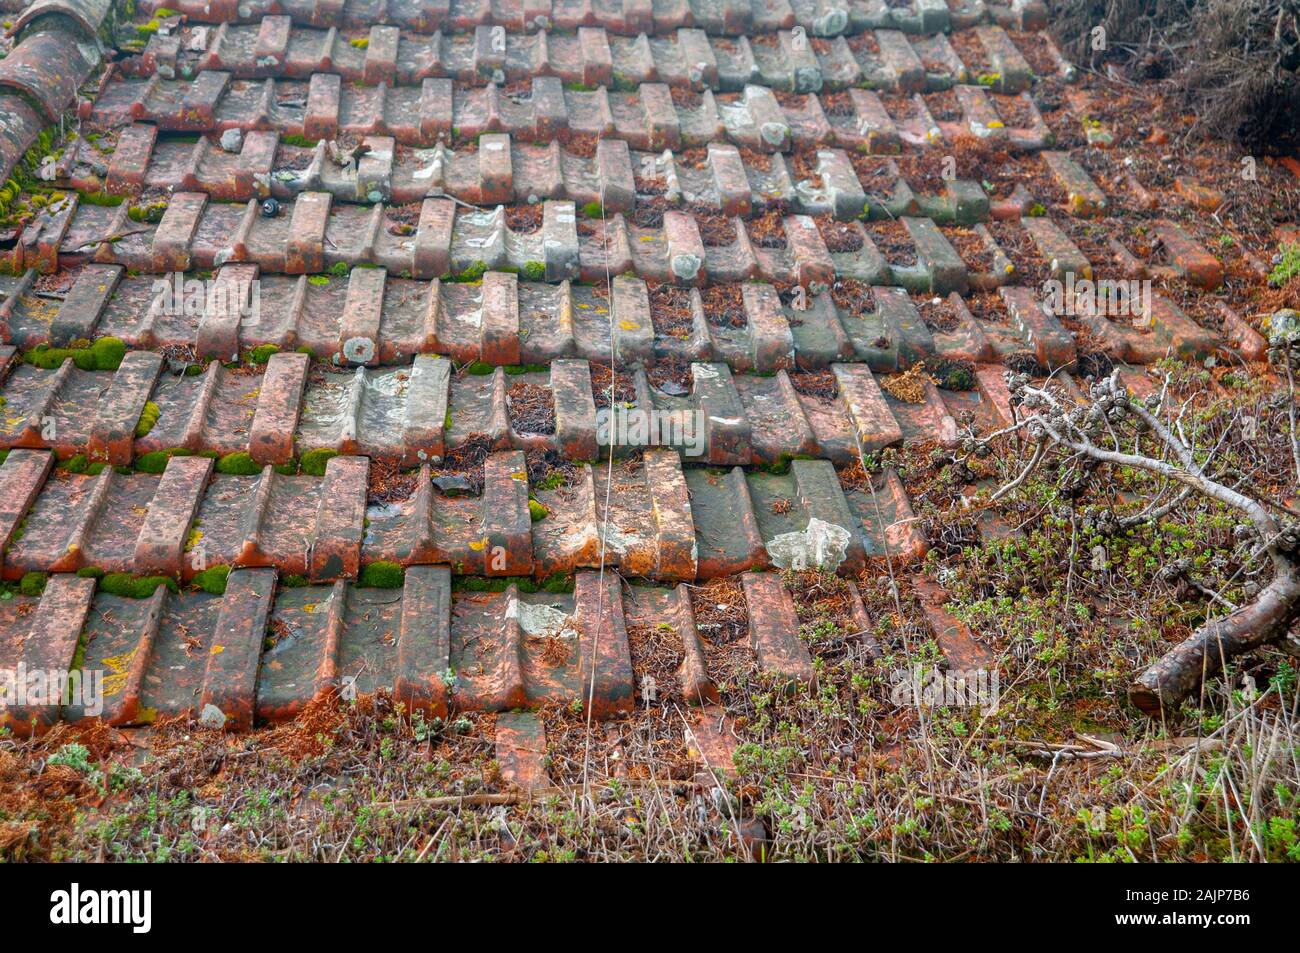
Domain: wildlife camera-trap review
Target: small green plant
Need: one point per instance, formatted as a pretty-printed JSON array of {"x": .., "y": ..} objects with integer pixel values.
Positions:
[
  {"x": 1288, "y": 265},
  {"x": 77, "y": 757},
  {"x": 474, "y": 272},
  {"x": 262, "y": 353},
  {"x": 537, "y": 511}
]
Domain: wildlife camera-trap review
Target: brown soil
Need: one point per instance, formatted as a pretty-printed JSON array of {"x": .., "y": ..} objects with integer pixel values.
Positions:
[
  {"x": 670, "y": 372},
  {"x": 944, "y": 106},
  {"x": 654, "y": 184},
  {"x": 296, "y": 158},
  {"x": 721, "y": 617},
  {"x": 1090, "y": 238},
  {"x": 840, "y": 237},
  {"x": 1034, "y": 48},
  {"x": 649, "y": 211},
  {"x": 754, "y": 159},
  {"x": 986, "y": 307},
  {"x": 467, "y": 460},
  {"x": 820, "y": 384},
  {"x": 820, "y": 598},
  {"x": 971, "y": 51},
  {"x": 670, "y": 311},
  {"x": 1031, "y": 269},
  {"x": 998, "y": 171},
  {"x": 724, "y": 308},
  {"x": 389, "y": 483},
  {"x": 768, "y": 230},
  {"x": 924, "y": 172},
  {"x": 602, "y": 377},
  {"x": 532, "y": 408},
  {"x": 864, "y": 42},
  {"x": 581, "y": 145},
  {"x": 938, "y": 313},
  {"x": 524, "y": 219},
  {"x": 716, "y": 230},
  {"x": 803, "y": 165},
  {"x": 838, "y": 104},
  {"x": 656, "y": 652},
  {"x": 1015, "y": 112},
  {"x": 543, "y": 465},
  {"x": 685, "y": 98},
  {"x": 971, "y": 248},
  {"x": 697, "y": 158},
  {"x": 873, "y": 172},
  {"x": 1196, "y": 304},
  {"x": 852, "y": 296},
  {"x": 893, "y": 241}
]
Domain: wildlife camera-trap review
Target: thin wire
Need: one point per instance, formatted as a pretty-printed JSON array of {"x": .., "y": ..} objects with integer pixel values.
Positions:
[{"x": 609, "y": 483}]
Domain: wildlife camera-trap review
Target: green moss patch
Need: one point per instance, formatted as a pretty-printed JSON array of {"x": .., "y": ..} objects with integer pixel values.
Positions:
[
  {"x": 148, "y": 417},
  {"x": 238, "y": 463},
  {"x": 262, "y": 353},
  {"x": 382, "y": 575},
  {"x": 33, "y": 583},
  {"x": 135, "y": 587},
  {"x": 104, "y": 355},
  {"x": 155, "y": 461},
  {"x": 313, "y": 461},
  {"x": 213, "y": 579}
]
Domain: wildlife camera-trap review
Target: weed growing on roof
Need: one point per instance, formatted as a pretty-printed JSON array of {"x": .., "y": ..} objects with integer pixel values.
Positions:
[
  {"x": 1288, "y": 265},
  {"x": 472, "y": 273}
]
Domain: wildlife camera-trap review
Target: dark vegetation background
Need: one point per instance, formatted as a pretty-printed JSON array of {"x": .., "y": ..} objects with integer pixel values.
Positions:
[{"x": 1234, "y": 64}]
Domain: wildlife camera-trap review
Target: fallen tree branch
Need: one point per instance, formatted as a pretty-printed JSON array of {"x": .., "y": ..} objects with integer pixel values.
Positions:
[{"x": 1265, "y": 619}]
